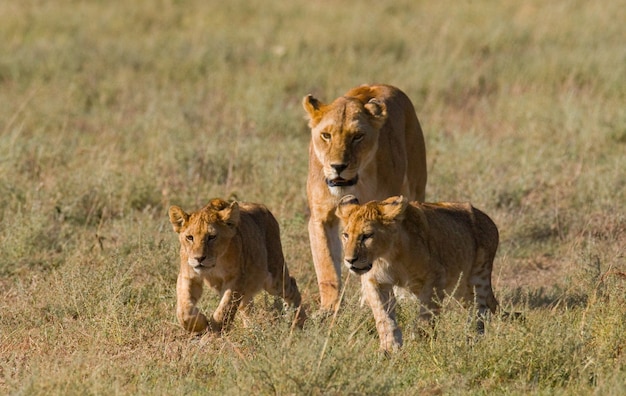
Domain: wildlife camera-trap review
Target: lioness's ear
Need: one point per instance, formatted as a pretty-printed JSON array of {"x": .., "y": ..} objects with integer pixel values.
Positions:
[
  {"x": 377, "y": 111},
  {"x": 312, "y": 107},
  {"x": 393, "y": 208},
  {"x": 178, "y": 218},
  {"x": 346, "y": 205},
  {"x": 230, "y": 215}
]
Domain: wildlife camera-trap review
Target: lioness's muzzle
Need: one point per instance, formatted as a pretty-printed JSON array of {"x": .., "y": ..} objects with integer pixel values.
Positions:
[{"x": 340, "y": 182}]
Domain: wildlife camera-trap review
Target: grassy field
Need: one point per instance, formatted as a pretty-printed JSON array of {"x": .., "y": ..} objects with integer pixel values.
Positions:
[{"x": 112, "y": 111}]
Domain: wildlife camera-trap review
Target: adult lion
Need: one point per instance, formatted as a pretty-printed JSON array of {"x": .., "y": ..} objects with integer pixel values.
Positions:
[{"x": 367, "y": 143}]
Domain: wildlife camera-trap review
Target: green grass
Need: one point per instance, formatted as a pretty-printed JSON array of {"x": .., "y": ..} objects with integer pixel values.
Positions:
[{"x": 111, "y": 112}]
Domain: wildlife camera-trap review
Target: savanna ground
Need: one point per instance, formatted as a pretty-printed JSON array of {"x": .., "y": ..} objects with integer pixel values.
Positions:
[{"x": 112, "y": 111}]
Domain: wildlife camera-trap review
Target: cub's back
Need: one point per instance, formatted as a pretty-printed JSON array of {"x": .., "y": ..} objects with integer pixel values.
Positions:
[
  {"x": 486, "y": 230},
  {"x": 451, "y": 217},
  {"x": 259, "y": 226},
  {"x": 258, "y": 221}
]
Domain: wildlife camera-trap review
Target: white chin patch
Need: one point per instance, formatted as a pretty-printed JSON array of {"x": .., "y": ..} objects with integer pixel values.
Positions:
[{"x": 340, "y": 191}]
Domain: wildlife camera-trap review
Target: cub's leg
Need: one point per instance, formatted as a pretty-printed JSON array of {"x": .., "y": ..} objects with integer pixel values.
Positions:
[
  {"x": 226, "y": 310},
  {"x": 285, "y": 286},
  {"x": 246, "y": 306},
  {"x": 382, "y": 301},
  {"x": 188, "y": 292},
  {"x": 430, "y": 295},
  {"x": 480, "y": 283}
]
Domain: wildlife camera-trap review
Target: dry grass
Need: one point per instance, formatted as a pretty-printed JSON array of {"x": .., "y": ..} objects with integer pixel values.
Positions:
[{"x": 111, "y": 112}]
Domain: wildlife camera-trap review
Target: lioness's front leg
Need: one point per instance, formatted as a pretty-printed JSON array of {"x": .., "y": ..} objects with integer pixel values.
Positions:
[
  {"x": 188, "y": 292},
  {"x": 326, "y": 250},
  {"x": 226, "y": 310},
  {"x": 382, "y": 301}
]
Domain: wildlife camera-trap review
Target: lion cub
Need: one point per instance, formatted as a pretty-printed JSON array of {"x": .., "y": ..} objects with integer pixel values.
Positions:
[
  {"x": 235, "y": 249},
  {"x": 432, "y": 249}
]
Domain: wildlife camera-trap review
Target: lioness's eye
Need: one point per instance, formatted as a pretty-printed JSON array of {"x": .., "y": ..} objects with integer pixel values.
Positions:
[
  {"x": 344, "y": 235},
  {"x": 189, "y": 238},
  {"x": 325, "y": 136},
  {"x": 367, "y": 236},
  {"x": 357, "y": 138}
]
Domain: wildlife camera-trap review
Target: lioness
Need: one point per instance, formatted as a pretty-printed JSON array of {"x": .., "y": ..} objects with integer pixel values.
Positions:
[
  {"x": 234, "y": 248},
  {"x": 432, "y": 249},
  {"x": 368, "y": 143}
]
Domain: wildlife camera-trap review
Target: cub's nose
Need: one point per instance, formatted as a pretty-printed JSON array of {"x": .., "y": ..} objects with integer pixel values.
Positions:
[
  {"x": 339, "y": 168},
  {"x": 200, "y": 259}
]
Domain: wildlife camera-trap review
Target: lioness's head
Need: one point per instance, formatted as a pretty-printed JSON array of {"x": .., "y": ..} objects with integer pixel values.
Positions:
[
  {"x": 205, "y": 234},
  {"x": 369, "y": 230},
  {"x": 344, "y": 135}
]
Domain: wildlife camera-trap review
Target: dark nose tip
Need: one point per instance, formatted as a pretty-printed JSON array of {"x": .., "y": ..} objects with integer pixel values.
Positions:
[
  {"x": 200, "y": 258},
  {"x": 351, "y": 260},
  {"x": 339, "y": 167}
]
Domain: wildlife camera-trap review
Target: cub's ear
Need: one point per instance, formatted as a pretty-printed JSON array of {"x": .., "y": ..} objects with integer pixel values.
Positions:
[
  {"x": 230, "y": 215},
  {"x": 178, "y": 218},
  {"x": 346, "y": 205},
  {"x": 377, "y": 111},
  {"x": 392, "y": 209},
  {"x": 312, "y": 106}
]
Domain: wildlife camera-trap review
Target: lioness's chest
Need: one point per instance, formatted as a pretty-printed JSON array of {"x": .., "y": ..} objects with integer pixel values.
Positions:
[{"x": 365, "y": 190}]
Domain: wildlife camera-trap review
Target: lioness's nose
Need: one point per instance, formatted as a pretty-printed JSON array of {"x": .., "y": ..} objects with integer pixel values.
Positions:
[{"x": 339, "y": 167}]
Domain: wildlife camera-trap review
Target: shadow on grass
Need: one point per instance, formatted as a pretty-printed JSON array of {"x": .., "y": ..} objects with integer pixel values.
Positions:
[{"x": 542, "y": 297}]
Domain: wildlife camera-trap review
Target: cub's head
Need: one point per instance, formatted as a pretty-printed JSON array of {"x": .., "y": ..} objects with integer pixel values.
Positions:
[
  {"x": 369, "y": 230},
  {"x": 205, "y": 234},
  {"x": 344, "y": 135}
]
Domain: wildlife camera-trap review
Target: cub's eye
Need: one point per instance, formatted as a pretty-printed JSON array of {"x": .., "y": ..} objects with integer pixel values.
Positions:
[
  {"x": 210, "y": 237},
  {"x": 325, "y": 136},
  {"x": 189, "y": 238},
  {"x": 358, "y": 137},
  {"x": 367, "y": 236},
  {"x": 344, "y": 235}
]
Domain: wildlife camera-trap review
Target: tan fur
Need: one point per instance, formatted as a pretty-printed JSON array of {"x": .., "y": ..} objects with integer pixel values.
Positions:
[
  {"x": 235, "y": 249},
  {"x": 432, "y": 250},
  {"x": 370, "y": 137}
]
